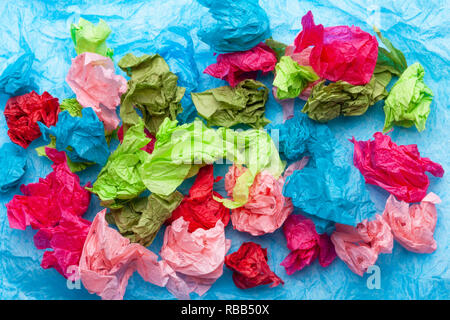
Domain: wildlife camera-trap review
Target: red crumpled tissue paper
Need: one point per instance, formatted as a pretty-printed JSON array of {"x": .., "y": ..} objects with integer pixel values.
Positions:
[
  {"x": 109, "y": 259},
  {"x": 197, "y": 257},
  {"x": 237, "y": 66},
  {"x": 359, "y": 247},
  {"x": 54, "y": 205},
  {"x": 305, "y": 244},
  {"x": 250, "y": 268},
  {"x": 199, "y": 208},
  {"x": 400, "y": 170},
  {"x": 413, "y": 226},
  {"x": 340, "y": 52},
  {"x": 23, "y": 112}
]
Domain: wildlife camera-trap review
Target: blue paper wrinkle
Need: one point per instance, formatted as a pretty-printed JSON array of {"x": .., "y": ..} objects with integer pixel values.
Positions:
[
  {"x": 82, "y": 138},
  {"x": 236, "y": 25},
  {"x": 329, "y": 187},
  {"x": 16, "y": 68},
  {"x": 13, "y": 163}
]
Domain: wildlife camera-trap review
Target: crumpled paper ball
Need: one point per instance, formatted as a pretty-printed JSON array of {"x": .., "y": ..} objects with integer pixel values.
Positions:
[
  {"x": 23, "y": 112},
  {"x": 199, "y": 208},
  {"x": 44, "y": 203},
  {"x": 196, "y": 257},
  {"x": 305, "y": 244},
  {"x": 250, "y": 268},
  {"x": 236, "y": 25},
  {"x": 266, "y": 208},
  {"x": 400, "y": 170},
  {"x": 54, "y": 205},
  {"x": 108, "y": 260},
  {"x": 359, "y": 247},
  {"x": 413, "y": 226},
  {"x": 71, "y": 136},
  {"x": 339, "y": 53},
  {"x": 237, "y": 66},
  {"x": 93, "y": 79}
]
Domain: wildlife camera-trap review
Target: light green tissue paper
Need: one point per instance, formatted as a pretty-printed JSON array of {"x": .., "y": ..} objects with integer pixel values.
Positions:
[
  {"x": 90, "y": 38},
  {"x": 408, "y": 102},
  {"x": 291, "y": 78},
  {"x": 120, "y": 180},
  {"x": 181, "y": 149}
]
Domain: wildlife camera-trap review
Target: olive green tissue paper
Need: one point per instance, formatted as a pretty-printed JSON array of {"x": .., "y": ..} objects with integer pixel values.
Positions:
[{"x": 227, "y": 106}]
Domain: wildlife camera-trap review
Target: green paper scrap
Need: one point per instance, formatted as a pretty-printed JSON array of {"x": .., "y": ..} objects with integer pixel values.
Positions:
[
  {"x": 72, "y": 106},
  {"x": 152, "y": 89},
  {"x": 278, "y": 47},
  {"x": 226, "y": 106},
  {"x": 141, "y": 218},
  {"x": 120, "y": 181},
  {"x": 393, "y": 60},
  {"x": 408, "y": 102},
  {"x": 90, "y": 38},
  {"x": 291, "y": 78},
  {"x": 181, "y": 149},
  {"x": 327, "y": 102}
]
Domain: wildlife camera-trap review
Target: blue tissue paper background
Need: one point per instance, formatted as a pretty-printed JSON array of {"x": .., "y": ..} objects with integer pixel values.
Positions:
[{"x": 421, "y": 29}]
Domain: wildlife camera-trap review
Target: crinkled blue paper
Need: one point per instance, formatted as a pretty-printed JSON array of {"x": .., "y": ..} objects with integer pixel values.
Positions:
[
  {"x": 13, "y": 163},
  {"x": 83, "y": 138},
  {"x": 418, "y": 28},
  {"x": 329, "y": 187},
  {"x": 236, "y": 25}
]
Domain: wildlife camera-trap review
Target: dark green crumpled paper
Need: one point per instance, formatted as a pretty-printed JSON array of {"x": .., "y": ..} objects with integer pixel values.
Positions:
[
  {"x": 409, "y": 100},
  {"x": 226, "y": 106},
  {"x": 152, "y": 89},
  {"x": 141, "y": 218},
  {"x": 291, "y": 78},
  {"x": 276, "y": 46},
  {"x": 90, "y": 38},
  {"x": 327, "y": 102},
  {"x": 119, "y": 180},
  {"x": 393, "y": 60}
]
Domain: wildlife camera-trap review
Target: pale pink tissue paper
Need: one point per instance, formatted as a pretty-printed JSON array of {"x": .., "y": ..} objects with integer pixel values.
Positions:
[
  {"x": 359, "y": 247},
  {"x": 266, "y": 208},
  {"x": 413, "y": 226},
  {"x": 196, "y": 257},
  {"x": 93, "y": 79},
  {"x": 108, "y": 260}
]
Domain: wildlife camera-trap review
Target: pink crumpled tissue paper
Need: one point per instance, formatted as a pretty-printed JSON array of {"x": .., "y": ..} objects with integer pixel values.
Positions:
[
  {"x": 109, "y": 259},
  {"x": 196, "y": 257},
  {"x": 93, "y": 79}
]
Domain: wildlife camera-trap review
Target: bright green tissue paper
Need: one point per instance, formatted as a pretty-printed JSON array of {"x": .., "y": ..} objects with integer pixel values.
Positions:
[
  {"x": 181, "y": 150},
  {"x": 226, "y": 106},
  {"x": 120, "y": 179},
  {"x": 409, "y": 100},
  {"x": 90, "y": 38},
  {"x": 291, "y": 78}
]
